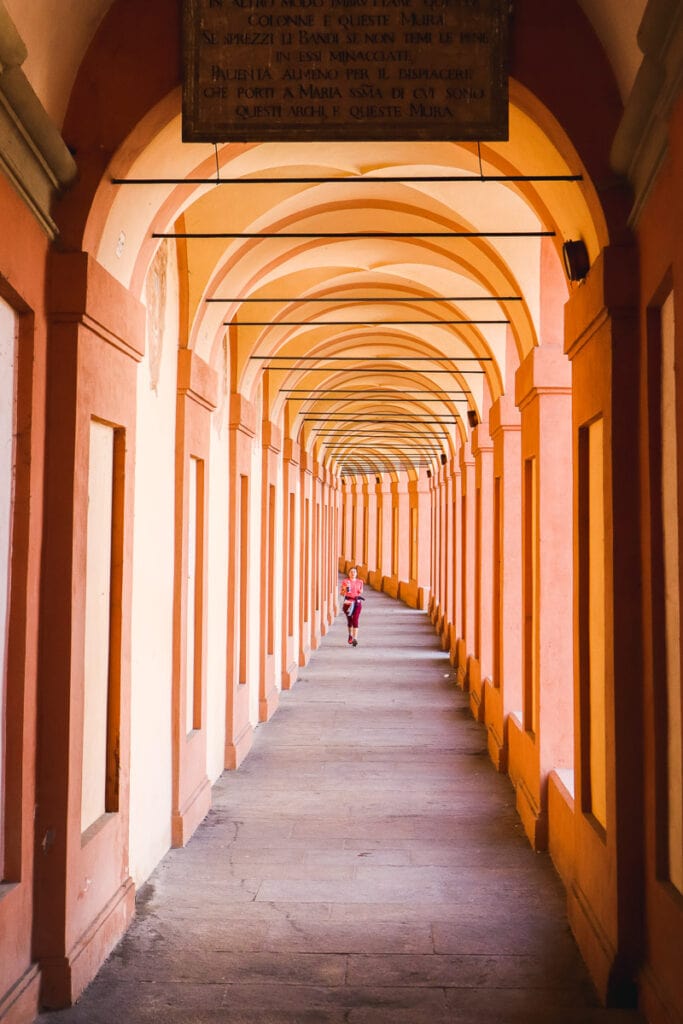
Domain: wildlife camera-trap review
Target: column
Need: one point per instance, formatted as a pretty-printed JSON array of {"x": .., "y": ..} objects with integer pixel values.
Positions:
[
  {"x": 480, "y": 663},
  {"x": 196, "y": 398},
  {"x": 271, "y": 450},
  {"x": 612, "y": 838},
  {"x": 290, "y": 562},
  {"x": 240, "y": 670},
  {"x": 465, "y": 642},
  {"x": 544, "y": 738},
  {"x": 306, "y": 596},
  {"x": 96, "y": 341},
  {"x": 416, "y": 590},
  {"x": 504, "y": 690}
]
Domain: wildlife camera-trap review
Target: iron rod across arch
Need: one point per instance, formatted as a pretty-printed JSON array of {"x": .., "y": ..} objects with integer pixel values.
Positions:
[
  {"x": 378, "y": 421},
  {"x": 372, "y": 391},
  {"x": 350, "y": 323},
  {"x": 380, "y": 398},
  {"x": 351, "y": 234},
  {"x": 383, "y": 395},
  {"x": 357, "y": 370},
  {"x": 362, "y": 434},
  {"x": 381, "y": 298},
  {"x": 381, "y": 359},
  {"x": 466, "y": 179}
]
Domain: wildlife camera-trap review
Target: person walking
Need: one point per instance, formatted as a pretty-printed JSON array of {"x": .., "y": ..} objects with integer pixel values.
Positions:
[{"x": 352, "y": 593}]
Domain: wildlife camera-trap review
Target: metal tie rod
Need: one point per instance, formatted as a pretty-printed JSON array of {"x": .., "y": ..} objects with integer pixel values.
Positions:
[
  {"x": 388, "y": 401},
  {"x": 352, "y": 234},
  {"x": 349, "y": 323},
  {"x": 379, "y": 369},
  {"x": 351, "y": 179},
  {"x": 381, "y": 359},
  {"x": 356, "y": 419},
  {"x": 368, "y": 434},
  {"x": 372, "y": 391},
  {"x": 362, "y": 396},
  {"x": 382, "y": 392},
  {"x": 432, "y": 452},
  {"x": 384, "y": 466},
  {"x": 388, "y": 298}
]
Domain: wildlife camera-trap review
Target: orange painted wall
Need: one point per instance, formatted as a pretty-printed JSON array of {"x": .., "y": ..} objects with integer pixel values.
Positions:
[
  {"x": 660, "y": 243},
  {"x": 22, "y": 286},
  {"x": 601, "y": 339},
  {"x": 84, "y": 892}
]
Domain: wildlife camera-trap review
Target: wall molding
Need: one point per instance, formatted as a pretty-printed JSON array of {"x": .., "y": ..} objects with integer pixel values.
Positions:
[
  {"x": 33, "y": 154},
  {"x": 641, "y": 141}
]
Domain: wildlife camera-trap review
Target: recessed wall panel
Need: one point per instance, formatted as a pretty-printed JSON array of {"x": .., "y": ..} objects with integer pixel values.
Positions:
[
  {"x": 97, "y": 621},
  {"x": 8, "y": 335}
]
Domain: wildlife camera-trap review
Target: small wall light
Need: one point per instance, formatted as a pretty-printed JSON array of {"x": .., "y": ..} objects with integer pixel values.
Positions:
[
  {"x": 376, "y": 479},
  {"x": 429, "y": 472},
  {"x": 576, "y": 262},
  {"x": 472, "y": 418},
  {"x": 444, "y": 460}
]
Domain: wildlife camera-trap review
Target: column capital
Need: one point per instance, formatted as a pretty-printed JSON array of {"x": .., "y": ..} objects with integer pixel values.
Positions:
[
  {"x": 421, "y": 485},
  {"x": 481, "y": 441},
  {"x": 271, "y": 436},
  {"x": 196, "y": 379},
  {"x": 81, "y": 291},
  {"x": 504, "y": 415},
  {"x": 242, "y": 415},
  {"x": 291, "y": 451},
  {"x": 465, "y": 457},
  {"x": 610, "y": 290},
  {"x": 543, "y": 371}
]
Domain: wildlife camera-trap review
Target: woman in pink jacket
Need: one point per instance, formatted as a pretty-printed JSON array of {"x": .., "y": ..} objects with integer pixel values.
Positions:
[{"x": 352, "y": 593}]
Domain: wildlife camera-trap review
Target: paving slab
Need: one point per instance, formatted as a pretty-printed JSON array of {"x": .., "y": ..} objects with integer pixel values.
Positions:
[{"x": 365, "y": 865}]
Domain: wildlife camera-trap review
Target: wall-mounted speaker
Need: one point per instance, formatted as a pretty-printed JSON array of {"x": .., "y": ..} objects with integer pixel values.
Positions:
[{"x": 576, "y": 261}]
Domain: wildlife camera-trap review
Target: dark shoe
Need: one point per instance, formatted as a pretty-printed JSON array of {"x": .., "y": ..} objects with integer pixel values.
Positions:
[{"x": 355, "y": 643}]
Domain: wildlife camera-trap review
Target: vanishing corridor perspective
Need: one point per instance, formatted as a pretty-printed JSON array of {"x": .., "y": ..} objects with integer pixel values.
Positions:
[
  {"x": 365, "y": 865},
  {"x": 232, "y": 370}
]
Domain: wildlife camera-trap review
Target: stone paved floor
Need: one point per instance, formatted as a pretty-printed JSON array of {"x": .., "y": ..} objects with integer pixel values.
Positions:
[{"x": 364, "y": 865}]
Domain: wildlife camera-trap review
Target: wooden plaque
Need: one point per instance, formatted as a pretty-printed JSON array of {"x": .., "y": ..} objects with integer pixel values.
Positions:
[{"x": 348, "y": 70}]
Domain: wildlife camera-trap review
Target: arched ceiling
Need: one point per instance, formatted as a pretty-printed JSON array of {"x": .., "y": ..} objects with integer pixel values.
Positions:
[
  {"x": 372, "y": 320},
  {"x": 353, "y": 304}
]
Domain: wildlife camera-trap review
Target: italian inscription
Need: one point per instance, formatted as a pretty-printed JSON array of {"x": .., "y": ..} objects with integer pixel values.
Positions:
[{"x": 354, "y": 70}]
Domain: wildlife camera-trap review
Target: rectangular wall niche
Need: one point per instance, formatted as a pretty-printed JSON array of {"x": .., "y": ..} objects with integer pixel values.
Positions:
[
  {"x": 530, "y": 596},
  {"x": 277, "y": 72},
  {"x": 194, "y": 583},
  {"x": 8, "y": 342},
  {"x": 592, "y": 619},
  {"x": 98, "y": 603},
  {"x": 672, "y": 601}
]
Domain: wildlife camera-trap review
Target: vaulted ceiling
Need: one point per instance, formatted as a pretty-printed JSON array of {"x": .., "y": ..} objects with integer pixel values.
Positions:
[{"x": 391, "y": 285}]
